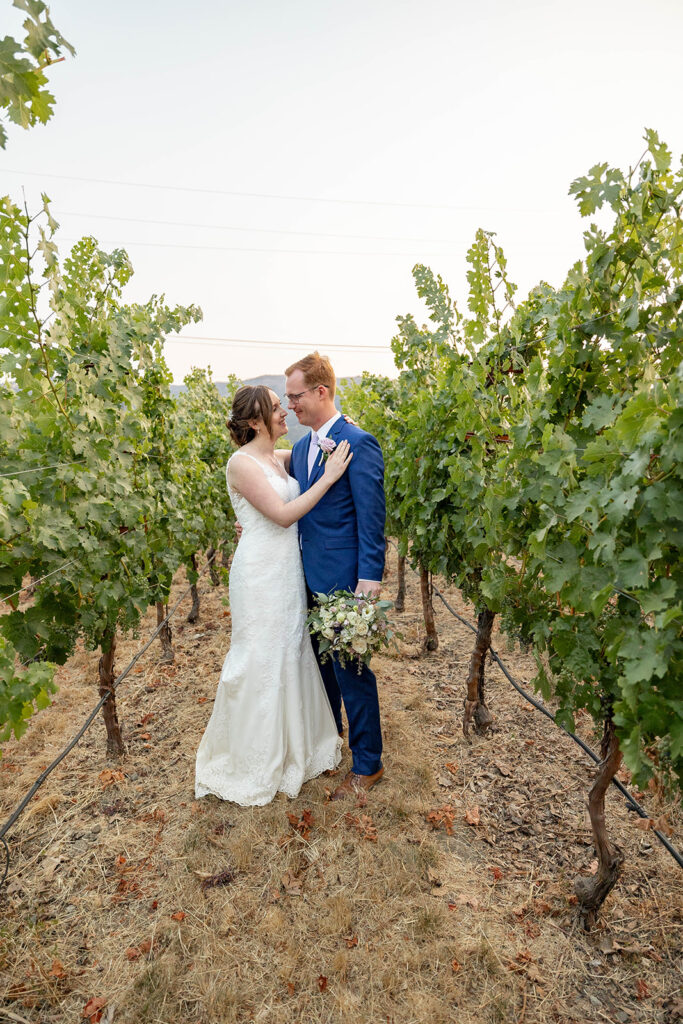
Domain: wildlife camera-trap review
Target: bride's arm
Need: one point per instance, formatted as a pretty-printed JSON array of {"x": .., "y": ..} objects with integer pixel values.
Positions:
[{"x": 250, "y": 480}]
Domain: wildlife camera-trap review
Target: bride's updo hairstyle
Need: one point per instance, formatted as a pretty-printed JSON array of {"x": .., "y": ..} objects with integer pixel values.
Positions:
[{"x": 251, "y": 402}]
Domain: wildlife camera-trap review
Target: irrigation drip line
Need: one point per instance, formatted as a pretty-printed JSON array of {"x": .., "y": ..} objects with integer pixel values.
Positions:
[
  {"x": 19, "y": 809},
  {"x": 7, "y": 860},
  {"x": 633, "y": 803}
]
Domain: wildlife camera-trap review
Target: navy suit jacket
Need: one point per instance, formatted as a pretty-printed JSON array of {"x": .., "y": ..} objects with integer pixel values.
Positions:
[{"x": 342, "y": 537}]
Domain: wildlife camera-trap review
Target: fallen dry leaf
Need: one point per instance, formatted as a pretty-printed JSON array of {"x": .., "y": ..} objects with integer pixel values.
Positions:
[
  {"x": 292, "y": 883},
  {"x": 303, "y": 824},
  {"x": 662, "y": 825},
  {"x": 363, "y": 825},
  {"x": 221, "y": 878},
  {"x": 442, "y": 816},
  {"x": 49, "y": 865},
  {"x": 351, "y": 940},
  {"x": 642, "y": 990},
  {"x": 57, "y": 970},
  {"x": 456, "y": 966},
  {"x": 322, "y": 982},
  {"x": 110, "y": 776},
  {"x": 472, "y": 816},
  {"x": 92, "y": 1011},
  {"x": 178, "y": 916}
]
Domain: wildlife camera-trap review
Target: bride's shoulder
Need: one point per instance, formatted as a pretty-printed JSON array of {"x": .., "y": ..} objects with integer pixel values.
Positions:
[{"x": 237, "y": 467}]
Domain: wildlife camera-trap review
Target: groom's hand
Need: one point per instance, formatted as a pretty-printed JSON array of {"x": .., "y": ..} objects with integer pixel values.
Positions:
[{"x": 367, "y": 588}]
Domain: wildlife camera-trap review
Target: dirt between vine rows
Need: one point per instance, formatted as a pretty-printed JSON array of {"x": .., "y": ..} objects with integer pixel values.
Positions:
[{"x": 447, "y": 897}]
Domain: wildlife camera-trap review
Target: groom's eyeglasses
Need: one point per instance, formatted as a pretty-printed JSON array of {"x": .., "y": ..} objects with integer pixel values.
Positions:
[{"x": 295, "y": 398}]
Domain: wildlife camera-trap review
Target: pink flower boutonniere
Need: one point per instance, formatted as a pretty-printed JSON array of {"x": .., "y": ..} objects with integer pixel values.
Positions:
[{"x": 326, "y": 446}]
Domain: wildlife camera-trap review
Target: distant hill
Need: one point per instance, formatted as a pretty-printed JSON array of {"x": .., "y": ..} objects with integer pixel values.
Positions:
[{"x": 276, "y": 382}]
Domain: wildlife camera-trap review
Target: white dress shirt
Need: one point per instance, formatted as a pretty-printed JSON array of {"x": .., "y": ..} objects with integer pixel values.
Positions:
[{"x": 313, "y": 450}]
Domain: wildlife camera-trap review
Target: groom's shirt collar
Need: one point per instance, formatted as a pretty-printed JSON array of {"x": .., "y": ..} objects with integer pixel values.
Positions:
[{"x": 326, "y": 427}]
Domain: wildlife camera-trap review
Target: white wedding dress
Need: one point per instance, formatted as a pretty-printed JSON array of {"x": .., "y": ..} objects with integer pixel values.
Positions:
[{"x": 272, "y": 727}]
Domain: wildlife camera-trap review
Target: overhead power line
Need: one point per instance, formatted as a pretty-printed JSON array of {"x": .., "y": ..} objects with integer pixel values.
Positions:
[
  {"x": 221, "y": 342},
  {"x": 243, "y": 248},
  {"x": 157, "y": 186},
  {"x": 266, "y": 231}
]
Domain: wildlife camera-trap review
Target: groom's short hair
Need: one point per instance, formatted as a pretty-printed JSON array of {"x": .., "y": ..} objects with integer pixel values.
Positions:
[{"x": 316, "y": 369}]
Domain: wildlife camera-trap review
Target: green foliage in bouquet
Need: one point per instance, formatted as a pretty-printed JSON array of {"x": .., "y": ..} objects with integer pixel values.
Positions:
[{"x": 350, "y": 628}]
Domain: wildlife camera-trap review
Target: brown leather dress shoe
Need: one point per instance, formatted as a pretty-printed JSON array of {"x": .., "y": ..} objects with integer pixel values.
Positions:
[{"x": 355, "y": 784}]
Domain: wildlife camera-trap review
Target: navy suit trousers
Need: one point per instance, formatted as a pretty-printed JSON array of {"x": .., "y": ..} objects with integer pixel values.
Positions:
[{"x": 361, "y": 703}]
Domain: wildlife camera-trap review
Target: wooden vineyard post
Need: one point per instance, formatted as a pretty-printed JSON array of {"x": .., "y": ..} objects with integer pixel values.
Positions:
[
  {"x": 432, "y": 638},
  {"x": 592, "y": 892},
  {"x": 475, "y": 702},
  {"x": 115, "y": 744},
  {"x": 165, "y": 635}
]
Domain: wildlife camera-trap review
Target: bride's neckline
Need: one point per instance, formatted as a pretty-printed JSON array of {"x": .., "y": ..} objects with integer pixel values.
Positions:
[{"x": 274, "y": 464}]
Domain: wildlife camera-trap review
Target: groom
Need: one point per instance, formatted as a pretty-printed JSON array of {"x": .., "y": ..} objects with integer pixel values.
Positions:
[{"x": 342, "y": 546}]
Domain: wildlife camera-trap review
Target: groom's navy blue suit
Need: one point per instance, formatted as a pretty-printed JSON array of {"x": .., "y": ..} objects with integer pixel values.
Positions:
[{"x": 342, "y": 542}]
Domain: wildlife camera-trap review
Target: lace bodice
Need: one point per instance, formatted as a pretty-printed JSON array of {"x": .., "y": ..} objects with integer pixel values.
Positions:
[{"x": 250, "y": 518}]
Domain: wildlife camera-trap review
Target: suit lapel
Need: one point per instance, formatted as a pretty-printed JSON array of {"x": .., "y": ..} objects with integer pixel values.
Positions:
[
  {"x": 301, "y": 464},
  {"x": 319, "y": 467}
]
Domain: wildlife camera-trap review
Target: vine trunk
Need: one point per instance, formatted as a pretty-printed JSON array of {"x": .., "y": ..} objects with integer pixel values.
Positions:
[
  {"x": 475, "y": 703},
  {"x": 432, "y": 638},
  {"x": 400, "y": 602},
  {"x": 165, "y": 635},
  {"x": 592, "y": 892},
  {"x": 115, "y": 744},
  {"x": 193, "y": 613}
]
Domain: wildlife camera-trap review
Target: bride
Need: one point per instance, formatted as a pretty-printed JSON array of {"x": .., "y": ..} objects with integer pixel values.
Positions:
[{"x": 272, "y": 728}]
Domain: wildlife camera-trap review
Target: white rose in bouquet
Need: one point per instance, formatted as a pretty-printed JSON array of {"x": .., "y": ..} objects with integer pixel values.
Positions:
[{"x": 348, "y": 629}]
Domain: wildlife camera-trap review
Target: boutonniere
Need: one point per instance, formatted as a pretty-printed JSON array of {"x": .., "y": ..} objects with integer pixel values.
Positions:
[{"x": 326, "y": 446}]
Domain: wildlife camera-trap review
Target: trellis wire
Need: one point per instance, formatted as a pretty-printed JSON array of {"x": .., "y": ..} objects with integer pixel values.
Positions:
[
  {"x": 634, "y": 805},
  {"x": 19, "y": 809}
]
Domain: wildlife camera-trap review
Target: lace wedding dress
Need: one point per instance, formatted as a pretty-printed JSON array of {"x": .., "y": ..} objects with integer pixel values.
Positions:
[{"x": 271, "y": 728}]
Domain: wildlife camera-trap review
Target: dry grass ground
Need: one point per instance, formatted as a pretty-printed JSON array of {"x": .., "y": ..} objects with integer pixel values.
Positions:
[{"x": 447, "y": 897}]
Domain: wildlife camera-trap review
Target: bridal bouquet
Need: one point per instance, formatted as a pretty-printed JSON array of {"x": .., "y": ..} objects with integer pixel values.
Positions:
[{"x": 351, "y": 628}]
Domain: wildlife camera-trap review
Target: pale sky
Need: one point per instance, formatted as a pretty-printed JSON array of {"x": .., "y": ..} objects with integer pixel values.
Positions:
[{"x": 400, "y": 126}]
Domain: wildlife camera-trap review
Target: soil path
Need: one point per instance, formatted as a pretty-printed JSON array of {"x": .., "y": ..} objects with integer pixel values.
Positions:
[{"x": 446, "y": 897}]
